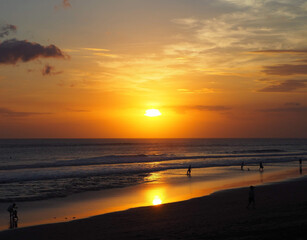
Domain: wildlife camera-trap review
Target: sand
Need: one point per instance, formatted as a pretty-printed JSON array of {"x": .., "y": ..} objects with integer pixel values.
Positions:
[{"x": 281, "y": 213}]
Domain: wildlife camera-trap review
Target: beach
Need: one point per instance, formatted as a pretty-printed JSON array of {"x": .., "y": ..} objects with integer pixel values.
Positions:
[{"x": 280, "y": 213}]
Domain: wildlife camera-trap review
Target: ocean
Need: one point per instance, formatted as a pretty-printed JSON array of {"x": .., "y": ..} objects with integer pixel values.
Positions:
[{"x": 37, "y": 169}]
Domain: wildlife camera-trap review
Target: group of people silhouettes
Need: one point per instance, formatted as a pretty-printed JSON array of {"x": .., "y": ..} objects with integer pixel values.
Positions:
[
  {"x": 260, "y": 166},
  {"x": 12, "y": 209}
]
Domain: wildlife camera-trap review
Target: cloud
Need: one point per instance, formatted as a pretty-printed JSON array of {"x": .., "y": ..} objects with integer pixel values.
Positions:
[
  {"x": 188, "y": 22},
  {"x": 281, "y": 51},
  {"x": 77, "y": 110},
  {"x": 286, "y": 86},
  {"x": 7, "y": 29},
  {"x": 184, "y": 108},
  {"x": 66, "y": 3},
  {"x": 96, "y": 49},
  {"x": 10, "y": 113},
  {"x": 49, "y": 70},
  {"x": 13, "y": 50},
  {"x": 286, "y": 69}
]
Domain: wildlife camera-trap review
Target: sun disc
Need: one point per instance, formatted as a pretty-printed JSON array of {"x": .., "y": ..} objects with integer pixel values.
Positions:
[
  {"x": 152, "y": 113},
  {"x": 157, "y": 201}
]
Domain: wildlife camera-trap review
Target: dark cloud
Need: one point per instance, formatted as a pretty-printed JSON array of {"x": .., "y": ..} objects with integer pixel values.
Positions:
[
  {"x": 12, "y": 51},
  {"x": 185, "y": 108},
  {"x": 286, "y": 86},
  {"x": 281, "y": 51},
  {"x": 49, "y": 70},
  {"x": 10, "y": 113},
  {"x": 286, "y": 69},
  {"x": 6, "y": 29}
]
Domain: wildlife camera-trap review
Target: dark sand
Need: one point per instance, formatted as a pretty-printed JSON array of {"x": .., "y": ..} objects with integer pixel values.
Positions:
[{"x": 281, "y": 213}]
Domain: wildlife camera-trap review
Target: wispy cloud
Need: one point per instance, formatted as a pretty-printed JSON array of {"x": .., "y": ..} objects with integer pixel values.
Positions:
[
  {"x": 7, "y": 29},
  {"x": 286, "y": 86},
  {"x": 96, "y": 49},
  {"x": 77, "y": 110},
  {"x": 293, "y": 109},
  {"x": 10, "y": 113},
  {"x": 286, "y": 69},
  {"x": 13, "y": 51},
  {"x": 212, "y": 108},
  {"x": 269, "y": 51},
  {"x": 196, "y": 91}
]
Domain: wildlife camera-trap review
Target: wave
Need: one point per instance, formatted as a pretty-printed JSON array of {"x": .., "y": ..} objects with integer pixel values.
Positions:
[
  {"x": 141, "y": 158},
  {"x": 22, "y": 175}
]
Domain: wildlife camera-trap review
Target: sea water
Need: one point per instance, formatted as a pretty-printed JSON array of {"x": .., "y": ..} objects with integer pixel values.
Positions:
[{"x": 36, "y": 169}]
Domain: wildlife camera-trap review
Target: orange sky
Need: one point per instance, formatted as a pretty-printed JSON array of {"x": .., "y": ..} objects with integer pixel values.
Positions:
[{"x": 90, "y": 69}]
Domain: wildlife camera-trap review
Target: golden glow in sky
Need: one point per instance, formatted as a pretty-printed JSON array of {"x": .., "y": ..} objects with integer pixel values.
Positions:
[{"x": 213, "y": 71}]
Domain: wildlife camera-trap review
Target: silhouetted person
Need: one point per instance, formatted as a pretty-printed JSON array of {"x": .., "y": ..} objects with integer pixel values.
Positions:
[
  {"x": 261, "y": 167},
  {"x": 15, "y": 219},
  {"x": 189, "y": 171},
  {"x": 300, "y": 162},
  {"x": 13, "y": 215},
  {"x": 251, "y": 197},
  {"x": 242, "y": 166}
]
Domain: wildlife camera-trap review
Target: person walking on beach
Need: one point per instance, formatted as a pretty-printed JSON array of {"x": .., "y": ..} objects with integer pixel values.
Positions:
[
  {"x": 189, "y": 171},
  {"x": 301, "y": 169},
  {"x": 251, "y": 197},
  {"x": 242, "y": 165},
  {"x": 261, "y": 167},
  {"x": 15, "y": 218},
  {"x": 12, "y": 209}
]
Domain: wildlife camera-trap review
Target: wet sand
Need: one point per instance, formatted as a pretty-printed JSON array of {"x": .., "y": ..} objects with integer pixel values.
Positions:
[{"x": 280, "y": 213}]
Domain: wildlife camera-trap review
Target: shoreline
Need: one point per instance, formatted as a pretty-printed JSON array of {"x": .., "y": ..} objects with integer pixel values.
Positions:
[
  {"x": 287, "y": 195},
  {"x": 168, "y": 186}
]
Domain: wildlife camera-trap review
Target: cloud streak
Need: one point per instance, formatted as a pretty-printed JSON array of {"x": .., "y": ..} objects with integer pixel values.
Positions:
[
  {"x": 286, "y": 86},
  {"x": 298, "y": 109},
  {"x": 10, "y": 113},
  {"x": 184, "y": 108},
  {"x": 13, "y": 51},
  {"x": 292, "y": 51},
  {"x": 7, "y": 29},
  {"x": 286, "y": 69}
]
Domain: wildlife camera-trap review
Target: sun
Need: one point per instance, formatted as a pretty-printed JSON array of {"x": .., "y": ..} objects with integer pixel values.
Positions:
[
  {"x": 152, "y": 113},
  {"x": 156, "y": 201}
]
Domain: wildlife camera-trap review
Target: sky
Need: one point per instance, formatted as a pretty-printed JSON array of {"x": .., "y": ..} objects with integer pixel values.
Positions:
[{"x": 213, "y": 68}]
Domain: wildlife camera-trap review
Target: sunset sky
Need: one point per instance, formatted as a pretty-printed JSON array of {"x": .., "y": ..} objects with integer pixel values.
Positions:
[{"x": 213, "y": 68}]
